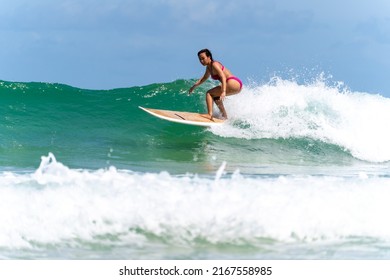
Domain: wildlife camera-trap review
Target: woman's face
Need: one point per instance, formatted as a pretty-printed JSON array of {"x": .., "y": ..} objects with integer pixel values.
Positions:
[{"x": 204, "y": 59}]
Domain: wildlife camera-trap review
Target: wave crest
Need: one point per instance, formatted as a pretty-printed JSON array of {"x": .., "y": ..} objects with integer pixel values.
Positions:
[{"x": 355, "y": 121}]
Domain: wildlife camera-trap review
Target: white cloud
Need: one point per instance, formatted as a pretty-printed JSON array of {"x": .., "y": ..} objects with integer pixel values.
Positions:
[
  {"x": 204, "y": 12},
  {"x": 341, "y": 11}
]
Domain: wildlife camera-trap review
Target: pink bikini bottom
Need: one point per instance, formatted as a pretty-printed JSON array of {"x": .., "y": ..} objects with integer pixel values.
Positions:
[{"x": 236, "y": 79}]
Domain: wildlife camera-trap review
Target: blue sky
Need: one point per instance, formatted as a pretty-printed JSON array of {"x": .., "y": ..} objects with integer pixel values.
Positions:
[{"x": 104, "y": 44}]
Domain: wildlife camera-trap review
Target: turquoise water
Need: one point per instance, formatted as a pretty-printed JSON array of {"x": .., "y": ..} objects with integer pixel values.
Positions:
[{"x": 299, "y": 171}]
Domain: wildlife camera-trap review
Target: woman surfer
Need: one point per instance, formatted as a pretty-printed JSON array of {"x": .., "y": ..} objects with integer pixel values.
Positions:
[{"x": 229, "y": 84}]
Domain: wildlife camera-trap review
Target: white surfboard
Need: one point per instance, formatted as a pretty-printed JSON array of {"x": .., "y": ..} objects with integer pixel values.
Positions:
[{"x": 183, "y": 117}]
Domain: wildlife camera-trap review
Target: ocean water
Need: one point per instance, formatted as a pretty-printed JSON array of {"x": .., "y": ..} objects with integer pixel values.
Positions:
[{"x": 301, "y": 170}]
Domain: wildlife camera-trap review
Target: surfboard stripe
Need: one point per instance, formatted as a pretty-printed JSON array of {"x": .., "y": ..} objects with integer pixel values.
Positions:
[{"x": 180, "y": 116}]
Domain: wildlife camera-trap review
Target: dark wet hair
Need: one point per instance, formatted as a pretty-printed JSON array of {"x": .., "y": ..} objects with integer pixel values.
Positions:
[{"x": 207, "y": 52}]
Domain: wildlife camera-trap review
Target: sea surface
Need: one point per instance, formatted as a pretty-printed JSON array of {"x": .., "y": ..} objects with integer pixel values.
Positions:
[{"x": 301, "y": 170}]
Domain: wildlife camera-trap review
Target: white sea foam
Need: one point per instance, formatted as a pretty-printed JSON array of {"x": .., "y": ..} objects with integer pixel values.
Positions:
[
  {"x": 356, "y": 121},
  {"x": 61, "y": 205}
]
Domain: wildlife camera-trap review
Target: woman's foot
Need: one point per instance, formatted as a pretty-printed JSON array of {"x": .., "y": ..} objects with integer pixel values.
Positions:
[{"x": 208, "y": 116}]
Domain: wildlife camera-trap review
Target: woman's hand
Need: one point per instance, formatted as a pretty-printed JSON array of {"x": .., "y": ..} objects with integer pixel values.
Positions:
[
  {"x": 191, "y": 89},
  {"x": 222, "y": 96}
]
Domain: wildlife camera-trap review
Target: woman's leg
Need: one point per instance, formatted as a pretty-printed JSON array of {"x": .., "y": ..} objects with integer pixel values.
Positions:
[
  {"x": 232, "y": 87},
  {"x": 211, "y": 95},
  {"x": 220, "y": 106}
]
